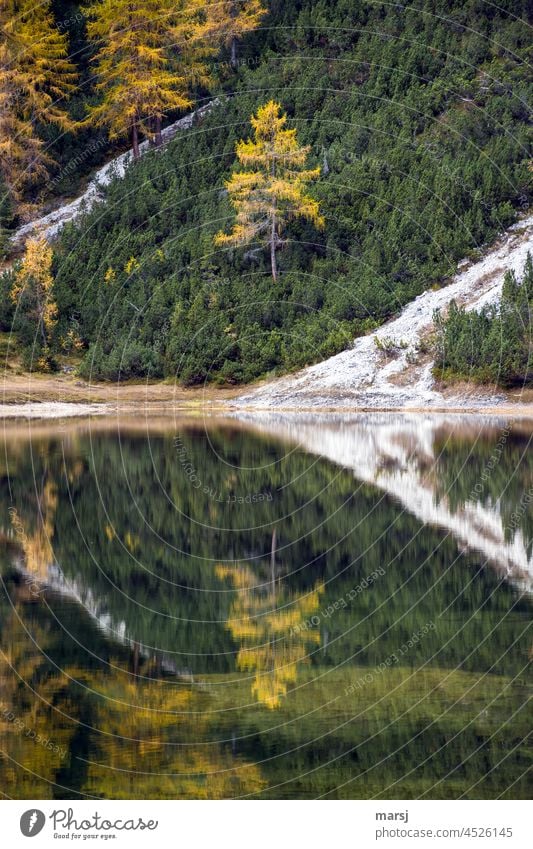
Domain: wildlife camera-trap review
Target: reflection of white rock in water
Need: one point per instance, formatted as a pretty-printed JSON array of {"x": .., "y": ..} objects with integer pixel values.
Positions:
[
  {"x": 365, "y": 376},
  {"x": 52, "y": 224},
  {"x": 75, "y": 591},
  {"x": 396, "y": 454}
]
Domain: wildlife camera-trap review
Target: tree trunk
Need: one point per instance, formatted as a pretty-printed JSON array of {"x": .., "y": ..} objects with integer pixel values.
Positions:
[
  {"x": 273, "y": 559},
  {"x": 158, "y": 133},
  {"x": 273, "y": 241},
  {"x": 43, "y": 330},
  {"x": 135, "y": 659},
  {"x": 233, "y": 59},
  {"x": 135, "y": 140}
]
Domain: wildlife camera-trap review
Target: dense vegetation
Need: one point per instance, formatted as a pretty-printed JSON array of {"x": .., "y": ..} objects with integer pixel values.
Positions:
[
  {"x": 416, "y": 115},
  {"x": 493, "y": 345}
]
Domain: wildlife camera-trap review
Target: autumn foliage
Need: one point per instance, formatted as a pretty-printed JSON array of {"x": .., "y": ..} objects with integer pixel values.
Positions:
[
  {"x": 271, "y": 190},
  {"x": 36, "y": 77},
  {"x": 32, "y": 293}
]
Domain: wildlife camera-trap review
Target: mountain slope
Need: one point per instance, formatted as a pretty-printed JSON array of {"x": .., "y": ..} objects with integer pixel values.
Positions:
[
  {"x": 51, "y": 224},
  {"x": 391, "y": 367},
  {"x": 417, "y": 114}
]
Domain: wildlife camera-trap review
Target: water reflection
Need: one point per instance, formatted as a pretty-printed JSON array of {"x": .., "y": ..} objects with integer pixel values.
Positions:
[
  {"x": 472, "y": 476},
  {"x": 163, "y": 638},
  {"x": 271, "y": 628}
]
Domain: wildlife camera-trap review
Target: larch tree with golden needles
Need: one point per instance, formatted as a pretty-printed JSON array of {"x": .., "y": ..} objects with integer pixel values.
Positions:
[
  {"x": 32, "y": 293},
  {"x": 36, "y": 77},
  {"x": 272, "y": 189},
  {"x": 147, "y": 55},
  {"x": 231, "y": 20}
]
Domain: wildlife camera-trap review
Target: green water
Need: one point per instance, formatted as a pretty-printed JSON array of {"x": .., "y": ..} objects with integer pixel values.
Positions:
[{"x": 210, "y": 611}]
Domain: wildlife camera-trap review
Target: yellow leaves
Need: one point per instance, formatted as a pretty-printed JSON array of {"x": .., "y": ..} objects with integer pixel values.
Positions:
[
  {"x": 274, "y": 192},
  {"x": 147, "y": 55},
  {"x": 131, "y": 265},
  {"x": 35, "y": 79},
  {"x": 132, "y": 542},
  {"x": 72, "y": 341},
  {"x": 232, "y": 19},
  {"x": 35, "y": 268},
  {"x": 110, "y": 277},
  {"x": 32, "y": 292},
  {"x": 272, "y": 629},
  {"x": 110, "y": 532}
]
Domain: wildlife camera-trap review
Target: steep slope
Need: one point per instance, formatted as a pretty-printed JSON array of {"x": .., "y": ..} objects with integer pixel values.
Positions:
[
  {"x": 50, "y": 225},
  {"x": 417, "y": 116},
  {"x": 386, "y": 369}
]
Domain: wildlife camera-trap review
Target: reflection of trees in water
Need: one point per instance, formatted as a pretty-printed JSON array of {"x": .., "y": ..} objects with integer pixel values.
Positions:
[
  {"x": 163, "y": 758},
  {"x": 495, "y": 471},
  {"x": 103, "y": 732},
  {"x": 271, "y": 625},
  {"x": 151, "y": 568}
]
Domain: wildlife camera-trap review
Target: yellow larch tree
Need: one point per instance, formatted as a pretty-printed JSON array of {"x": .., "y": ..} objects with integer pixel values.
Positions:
[
  {"x": 33, "y": 295},
  {"x": 231, "y": 20},
  {"x": 148, "y": 52},
  {"x": 272, "y": 189},
  {"x": 36, "y": 78}
]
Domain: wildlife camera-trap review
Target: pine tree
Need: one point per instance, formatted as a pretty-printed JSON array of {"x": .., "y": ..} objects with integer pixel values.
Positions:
[
  {"x": 32, "y": 293},
  {"x": 231, "y": 20},
  {"x": 272, "y": 192},
  {"x": 6, "y": 214},
  {"x": 148, "y": 54},
  {"x": 35, "y": 79}
]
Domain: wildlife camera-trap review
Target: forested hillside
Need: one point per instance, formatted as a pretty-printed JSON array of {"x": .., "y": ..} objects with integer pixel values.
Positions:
[
  {"x": 415, "y": 115},
  {"x": 494, "y": 344}
]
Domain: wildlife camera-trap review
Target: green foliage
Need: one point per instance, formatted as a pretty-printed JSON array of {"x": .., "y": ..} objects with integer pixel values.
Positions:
[
  {"x": 492, "y": 345},
  {"x": 417, "y": 119},
  {"x": 6, "y": 217},
  {"x": 7, "y": 306}
]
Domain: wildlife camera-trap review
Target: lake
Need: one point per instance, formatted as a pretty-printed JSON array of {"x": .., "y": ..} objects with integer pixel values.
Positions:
[{"x": 275, "y": 606}]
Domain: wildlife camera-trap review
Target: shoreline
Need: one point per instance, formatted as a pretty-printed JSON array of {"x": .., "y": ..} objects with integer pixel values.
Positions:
[
  {"x": 40, "y": 410},
  {"x": 52, "y": 397}
]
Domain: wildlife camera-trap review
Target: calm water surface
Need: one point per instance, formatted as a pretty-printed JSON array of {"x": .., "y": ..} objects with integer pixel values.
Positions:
[{"x": 294, "y": 608}]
